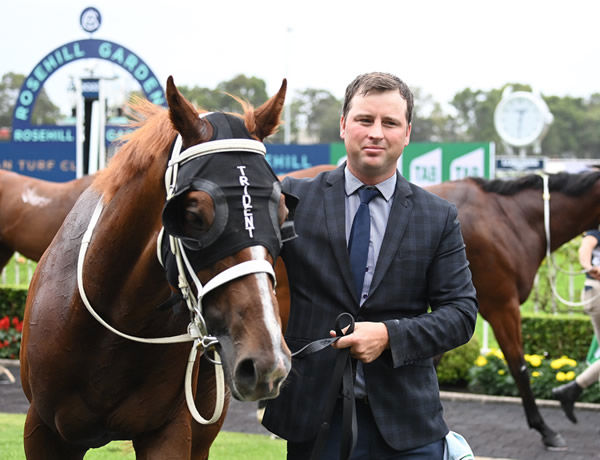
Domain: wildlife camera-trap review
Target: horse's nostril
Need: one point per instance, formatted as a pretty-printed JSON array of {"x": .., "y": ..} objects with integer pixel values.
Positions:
[
  {"x": 245, "y": 374},
  {"x": 258, "y": 378}
]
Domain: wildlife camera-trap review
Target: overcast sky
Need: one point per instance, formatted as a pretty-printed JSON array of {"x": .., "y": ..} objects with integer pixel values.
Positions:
[{"x": 440, "y": 46}]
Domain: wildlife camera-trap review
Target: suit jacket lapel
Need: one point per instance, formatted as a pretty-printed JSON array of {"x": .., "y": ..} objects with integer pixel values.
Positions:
[
  {"x": 397, "y": 221},
  {"x": 335, "y": 218}
]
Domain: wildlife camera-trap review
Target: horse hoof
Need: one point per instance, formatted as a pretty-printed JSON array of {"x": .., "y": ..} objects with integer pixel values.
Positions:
[{"x": 555, "y": 442}]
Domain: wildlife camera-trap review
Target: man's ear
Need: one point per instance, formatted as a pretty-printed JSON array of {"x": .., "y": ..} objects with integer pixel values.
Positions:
[{"x": 342, "y": 127}]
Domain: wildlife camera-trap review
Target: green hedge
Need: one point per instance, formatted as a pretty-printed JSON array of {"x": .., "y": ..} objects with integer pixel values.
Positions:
[
  {"x": 557, "y": 335},
  {"x": 453, "y": 368},
  {"x": 552, "y": 336},
  {"x": 12, "y": 301}
]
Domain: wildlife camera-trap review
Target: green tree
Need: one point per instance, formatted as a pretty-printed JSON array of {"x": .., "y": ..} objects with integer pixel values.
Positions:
[
  {"x": 316, "y": 116},
  {"x": 475, "y": 114},
  {"x": 201, "y": 97},
  {"x": 574, "y": 132},
  {"x": 429, "y": 121},
  {"x": 250, "y": 89},
  {"x": 562, "y": 137},
  {"x": 44, "y": 112},
  {"x": 589, "y": 132}
]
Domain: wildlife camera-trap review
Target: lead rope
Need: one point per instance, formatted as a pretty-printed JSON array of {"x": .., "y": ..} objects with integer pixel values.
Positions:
[
  {"x": 196, "y": 330},
  {"x": 343, "y": 374},
  {"x": 551, "y": 266}
]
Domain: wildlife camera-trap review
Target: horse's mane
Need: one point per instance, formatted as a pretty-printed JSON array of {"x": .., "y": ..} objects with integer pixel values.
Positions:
[
  {"x": 146, "y": 145},
  {"x": 567, "y": 183}
]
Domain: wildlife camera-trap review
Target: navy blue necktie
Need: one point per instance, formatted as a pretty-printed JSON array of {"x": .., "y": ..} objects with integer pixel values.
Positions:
[{"x": 358, "y": 245}]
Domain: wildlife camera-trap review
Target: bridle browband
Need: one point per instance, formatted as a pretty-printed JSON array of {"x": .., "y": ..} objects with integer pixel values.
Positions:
[{"x": 196, "y": 330}]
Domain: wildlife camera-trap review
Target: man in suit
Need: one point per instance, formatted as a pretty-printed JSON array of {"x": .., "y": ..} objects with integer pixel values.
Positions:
[{"x": 412, "y": 299}]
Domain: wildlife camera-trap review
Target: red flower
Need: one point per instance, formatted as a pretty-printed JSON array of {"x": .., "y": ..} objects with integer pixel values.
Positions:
[
  {"x": 6, "y": 343},
  {"x": 4, "y": 323}
]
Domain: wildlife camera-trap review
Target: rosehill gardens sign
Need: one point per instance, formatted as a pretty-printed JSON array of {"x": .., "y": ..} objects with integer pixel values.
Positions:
[{"x": 50, "y": 152}]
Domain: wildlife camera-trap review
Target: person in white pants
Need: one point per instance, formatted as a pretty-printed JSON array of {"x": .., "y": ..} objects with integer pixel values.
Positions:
[{"x": 589, "y": 258}]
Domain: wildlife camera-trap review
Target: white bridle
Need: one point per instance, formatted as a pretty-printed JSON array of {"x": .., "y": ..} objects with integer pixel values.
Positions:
[{"x": 196, "y": 330}]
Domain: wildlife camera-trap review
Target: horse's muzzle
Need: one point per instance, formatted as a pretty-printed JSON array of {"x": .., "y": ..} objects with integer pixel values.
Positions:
[{"x": 257, "y": 377}]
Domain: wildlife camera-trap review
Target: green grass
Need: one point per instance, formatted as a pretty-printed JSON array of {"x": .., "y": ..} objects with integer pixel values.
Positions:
[
  {"x": 11, "y": 436},
  {"x": 227, "y": 446}
]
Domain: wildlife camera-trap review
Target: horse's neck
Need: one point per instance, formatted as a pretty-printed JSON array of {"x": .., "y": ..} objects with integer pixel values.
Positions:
[
  {"x": 571, "y": 215},
  {"x": 127, "y": 234}
]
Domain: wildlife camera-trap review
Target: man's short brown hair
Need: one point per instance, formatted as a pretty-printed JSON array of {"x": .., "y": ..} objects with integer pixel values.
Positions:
[{"x": 378, "y": 82}]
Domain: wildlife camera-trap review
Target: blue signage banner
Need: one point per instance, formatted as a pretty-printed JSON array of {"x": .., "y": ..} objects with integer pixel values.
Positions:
[
  {"x": 520, "y": 164},
  {"x": 113, "y": 132},
  {"x": 53, "y": 161},
  {"x": 39, "y": 134},
  {"x": 285, "y": 158}
]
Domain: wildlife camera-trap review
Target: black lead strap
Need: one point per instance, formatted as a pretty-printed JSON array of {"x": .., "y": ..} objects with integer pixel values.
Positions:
[{"x": 343, "y": 372}]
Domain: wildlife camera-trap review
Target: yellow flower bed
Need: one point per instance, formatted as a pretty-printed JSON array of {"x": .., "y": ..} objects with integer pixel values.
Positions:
[{"x": 490, "y": 375}]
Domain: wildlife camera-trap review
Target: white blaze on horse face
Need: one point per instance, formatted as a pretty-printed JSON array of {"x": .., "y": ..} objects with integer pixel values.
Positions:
[
  {"x": 31, "y": 197},
  {"x": 271, "y": 323}
]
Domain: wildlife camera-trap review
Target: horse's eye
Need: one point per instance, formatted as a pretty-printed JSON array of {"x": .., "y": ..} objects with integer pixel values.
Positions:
[
  {"x": 194, "y": 221},
  {"x": 197, "y": 213},
  {"x": 193, "y": 218}
]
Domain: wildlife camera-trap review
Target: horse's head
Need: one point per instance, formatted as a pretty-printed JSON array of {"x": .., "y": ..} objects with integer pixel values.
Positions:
[{"x": 226, "y": 211}]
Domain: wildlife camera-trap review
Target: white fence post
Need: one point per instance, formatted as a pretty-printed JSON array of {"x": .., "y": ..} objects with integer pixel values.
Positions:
[{"x": 485, "y": 345}]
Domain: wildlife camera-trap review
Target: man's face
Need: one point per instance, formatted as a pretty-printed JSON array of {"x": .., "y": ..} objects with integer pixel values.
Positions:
[{"x": 375, "y": 132}]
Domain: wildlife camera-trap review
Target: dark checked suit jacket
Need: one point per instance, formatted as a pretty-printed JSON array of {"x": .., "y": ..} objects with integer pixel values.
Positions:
[{"x": 421, "y": 263}]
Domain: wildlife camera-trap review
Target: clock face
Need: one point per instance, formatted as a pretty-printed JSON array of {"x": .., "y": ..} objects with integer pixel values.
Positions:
[{"x": 519, "y": 119}]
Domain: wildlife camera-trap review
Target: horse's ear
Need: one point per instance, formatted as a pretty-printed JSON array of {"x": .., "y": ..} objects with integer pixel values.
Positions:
[
  {"x": 268, "y": 115},
  {"x": 182, "y": 113}
]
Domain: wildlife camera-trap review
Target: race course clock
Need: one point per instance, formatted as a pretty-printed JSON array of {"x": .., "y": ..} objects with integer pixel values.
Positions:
[{"x": 522, "y": 118}]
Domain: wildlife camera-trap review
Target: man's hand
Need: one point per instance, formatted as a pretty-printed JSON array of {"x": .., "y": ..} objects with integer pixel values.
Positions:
[
  {"x": 594, "y": 272},
  {"x": 367, "y": 341}
]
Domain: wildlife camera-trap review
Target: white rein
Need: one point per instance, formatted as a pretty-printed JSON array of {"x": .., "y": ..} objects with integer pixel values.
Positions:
[
  {"x": 550, "y": 261},
  {"x": 196, "y": 330}
]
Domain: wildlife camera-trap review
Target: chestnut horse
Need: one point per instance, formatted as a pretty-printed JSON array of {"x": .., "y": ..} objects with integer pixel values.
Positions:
[
  {"x": 502, "y": 222},
  {"x": 32, "y": 211},
  {"x": 223, "y": 218}
]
